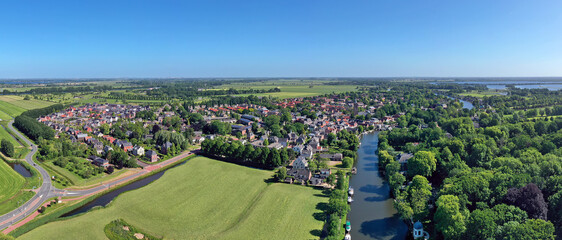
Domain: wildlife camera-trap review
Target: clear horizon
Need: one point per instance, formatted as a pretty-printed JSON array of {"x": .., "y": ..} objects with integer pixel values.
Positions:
[{"x": 289, "y": 39}]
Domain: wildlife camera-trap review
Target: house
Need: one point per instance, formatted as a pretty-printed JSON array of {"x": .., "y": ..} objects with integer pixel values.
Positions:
[
  {"x": 138, "y": 150},
  {"x": 165, "y": 148},
  {"x": 198, "y": 139},
  {"x": 300, "y": 163},
  {"x": 152, "y": 156},
  {"x": 127, "y": 146},
  {"x": 332, "y": 156},
  {"x": 302, "y": 175},
  {"x": 81, "y": 137},
  {"x": 403, "y": 160},
  {"x": 107, "y": 148},
  {"x": 99, "y": 148},
  {"x": 250, "y": 117},
  {"x": 298, "y": 149},
  {"x": 100, "y": 162},
  {"x": 324, "y": 173}
]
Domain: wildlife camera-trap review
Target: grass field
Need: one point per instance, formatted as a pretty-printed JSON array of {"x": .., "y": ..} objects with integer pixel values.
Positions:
[
  {"x": 290, "y": 91},
  {"x": 204, "y": 199},
  {"x": 10, "y": 181},
  {"x": 25, "y": 104},
  {"x": 481, "y": 94}
]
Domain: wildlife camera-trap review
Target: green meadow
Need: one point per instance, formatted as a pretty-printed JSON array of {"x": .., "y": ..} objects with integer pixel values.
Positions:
[{"x": 204, "y": 199}]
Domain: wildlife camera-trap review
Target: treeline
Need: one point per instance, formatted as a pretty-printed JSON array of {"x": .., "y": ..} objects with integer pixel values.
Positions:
[
  {"x": 188, "y": 92},
  {"x": 35, "y": 113},
  {"x": 337, "y": 207},
  {"x": 58, "y": 90},
  {"x": 233, "y": 100},
  {"x": 237, "y": 152},
  {"x": 27, "y": 123}
]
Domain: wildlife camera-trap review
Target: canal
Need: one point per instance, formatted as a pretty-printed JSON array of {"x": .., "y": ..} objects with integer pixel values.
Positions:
[
  {"x": 372, "y": 212},
  {"x": 106, "y": 198}
]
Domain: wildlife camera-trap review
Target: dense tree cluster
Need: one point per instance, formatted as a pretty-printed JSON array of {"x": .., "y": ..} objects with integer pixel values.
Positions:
[
  {"x": 7, "y": 148},
  {"x": 235, "y": 151},
  {"x": 32, "y": 128},
  {"x": 35, "y": 130},
  {"x": 487, "y": 175}
]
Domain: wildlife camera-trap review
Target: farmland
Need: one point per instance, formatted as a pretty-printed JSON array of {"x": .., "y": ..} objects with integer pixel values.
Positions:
[
  {"x": 204, "y": 199},
  {"x": 293, "y": 88}
]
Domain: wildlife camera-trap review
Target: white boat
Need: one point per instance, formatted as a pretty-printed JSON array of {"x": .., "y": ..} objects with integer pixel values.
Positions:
[
  {"x": 347, "y": 237},
  {"x": 349, "y": 199},
  {"x": 350, "y": 191}
]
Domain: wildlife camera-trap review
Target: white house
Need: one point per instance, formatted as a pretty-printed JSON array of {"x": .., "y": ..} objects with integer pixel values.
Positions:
[
  {"x": 300, "y": 163},
  {"x": 138, "y": 150}
]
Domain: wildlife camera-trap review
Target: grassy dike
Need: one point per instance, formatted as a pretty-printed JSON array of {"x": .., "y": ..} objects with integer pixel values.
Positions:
[
  {"x": 203, "y": 199},
  {"x": 55, "y": 215}
]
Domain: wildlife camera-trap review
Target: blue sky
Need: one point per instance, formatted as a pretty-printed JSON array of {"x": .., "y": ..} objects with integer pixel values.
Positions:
[{"x": 288, "y": 38}]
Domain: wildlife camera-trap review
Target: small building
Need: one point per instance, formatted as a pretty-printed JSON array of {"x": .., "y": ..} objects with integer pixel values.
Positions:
[
  {"x": 100, "y": 162},
  {"x": 165, "y": 148},
  {"x": 419, "y": 233},
  {"x": 332, "y": 156},
  {"x": 300, "y": 163},
  {"x": 127, "y": 146},
  {"x": 138, "y": 150},
  {"x": 300, "y": 174},
  {"x": 403, "y": 160},
  {"x": 152, "y": 156},
  {"x": 107, "y": 148}
]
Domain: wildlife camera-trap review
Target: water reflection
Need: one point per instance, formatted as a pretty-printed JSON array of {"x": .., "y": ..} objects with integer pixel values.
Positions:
[{"x": 372, "y": 213}]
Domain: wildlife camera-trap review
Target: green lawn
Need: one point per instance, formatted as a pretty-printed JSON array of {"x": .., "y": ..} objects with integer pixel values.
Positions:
[{"x": 204, "y": 199}]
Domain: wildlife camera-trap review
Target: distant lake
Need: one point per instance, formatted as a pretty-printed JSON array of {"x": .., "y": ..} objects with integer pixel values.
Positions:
[{"x": 501, "y": 85}]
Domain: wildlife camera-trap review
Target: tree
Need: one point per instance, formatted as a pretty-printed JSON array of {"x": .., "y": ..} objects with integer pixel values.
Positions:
[
  {"x": 423, "y": 163},
  {"x": 110, "y": 169},
  {"x": 530, "y": 230},
  {"x": 7, "y": 147},
  {"x": 338, "y": 206},
  {"x": 481, "y": 224},
  {"x": 449, "y": 220},
  {"x": 395, "y": 181},
  {"x": 530, "y": 199},
  {"x": 418, "y": 194},
  {"x": 347, "y": 162},
  {"x": 281, "y": 174},
  {"x": 331, "y": 179}
]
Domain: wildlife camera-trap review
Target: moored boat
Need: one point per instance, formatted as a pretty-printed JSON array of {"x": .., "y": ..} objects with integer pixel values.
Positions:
[
  {"x": 350, "y": 191},
  {"x": 349, "y": 199},
  {"x": 348, "y": 226},
  {"x": 347, "y": 236}
]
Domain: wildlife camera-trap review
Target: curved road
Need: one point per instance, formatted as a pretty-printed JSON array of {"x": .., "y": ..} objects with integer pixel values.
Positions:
[{"x": 47, "y": 190}]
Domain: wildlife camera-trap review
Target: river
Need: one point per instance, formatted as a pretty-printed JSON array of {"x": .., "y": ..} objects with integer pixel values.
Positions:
[{"x": 372, "y": 214}]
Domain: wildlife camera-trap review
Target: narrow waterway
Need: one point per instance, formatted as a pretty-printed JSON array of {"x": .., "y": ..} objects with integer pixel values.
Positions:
[
  {"x": 372, "y": 213},
  {"x": 106, "y": 198}
]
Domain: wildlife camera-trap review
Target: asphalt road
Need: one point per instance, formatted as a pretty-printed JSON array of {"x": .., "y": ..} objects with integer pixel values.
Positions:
[{"x": 46, "y": 191}]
